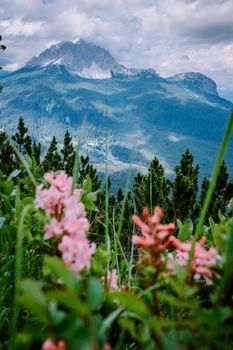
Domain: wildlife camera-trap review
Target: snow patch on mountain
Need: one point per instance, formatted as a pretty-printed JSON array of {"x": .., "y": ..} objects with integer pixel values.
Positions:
[{"x": 94, "y": 72}]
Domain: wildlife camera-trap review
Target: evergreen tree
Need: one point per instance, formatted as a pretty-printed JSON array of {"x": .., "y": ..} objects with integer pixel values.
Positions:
[
  {"x": 37, "y": 151},
  {"x": 52, "y": 160},
  {"x": 185, "y": 187},
  {"x": 88, "y": 169},
  {"x": 7, "y": 161},
  {"x": 22, "y": 140},
  {"x": 139, "y": 190},
  {"x": 152, "y": 189},
  {"x": 221, "y": 196},
  {"x": 68, "y": 153},
  {"x": 28, "y": 145}
]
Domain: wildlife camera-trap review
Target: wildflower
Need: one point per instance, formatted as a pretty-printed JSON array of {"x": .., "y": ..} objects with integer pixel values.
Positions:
[
  {"x": 60, "y": 181},
  {"x": 50, "y": 345},
  {"x": 203, "y": 260},
  {"x": 75, "y": 227},
  {"x": 153, "y": 233},
  {"x": 111, "y": 279},
  {"x": 54, "y": 229},
  {"x": 68, "y": 220},
  {"x": 76, "y": 253}
]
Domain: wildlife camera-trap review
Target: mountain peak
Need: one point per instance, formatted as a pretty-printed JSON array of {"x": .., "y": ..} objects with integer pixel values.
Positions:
[
  {"x": 196, "y": 81},
  {"x": 84, "y": 59}
]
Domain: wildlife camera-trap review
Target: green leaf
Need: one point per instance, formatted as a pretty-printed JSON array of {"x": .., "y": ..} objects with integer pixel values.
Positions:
[
  {"x": 33, "y": 298},
  {"x": 87, "y": 184},
  {"x": 185, "y": 230},
  {"x": 220, "y": 234},
  {"x": 132, "y": 303},
  {"x": 95, "y": 294},
  {"x": 89, "y": 205},
  {"x": 70, "y": 299},
  {"x": 33, "y": 288},
  {"x": 57, "y": 266},
  {"x": 92, "y": 196},
  {"x": 8, "y": 187}
]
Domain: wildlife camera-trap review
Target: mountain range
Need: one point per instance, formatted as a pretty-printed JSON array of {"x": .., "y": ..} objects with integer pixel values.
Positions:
[{"x": 79, "y": 86}]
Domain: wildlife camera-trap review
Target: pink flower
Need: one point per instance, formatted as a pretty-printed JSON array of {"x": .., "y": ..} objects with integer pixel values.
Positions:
[
  {"x": 143, "y": 241},
  {"x": 111, "y": 279},
  {"x": 50, "y": 345},
  {"x": 54, "y": 229},
  {"x": 76, "y": 253},
  {"x": 73, "y": 205},
  {"x": 60, "y": 180},
  {"x": 153, "y": 233},
  {"x": 203, "y": 259},
  {"x": 51, "y": 200},
  {"x": 76, "y": 227}
]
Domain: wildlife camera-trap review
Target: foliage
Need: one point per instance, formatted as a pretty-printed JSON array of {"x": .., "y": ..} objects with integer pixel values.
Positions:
[{"x": 139, "y": 289}]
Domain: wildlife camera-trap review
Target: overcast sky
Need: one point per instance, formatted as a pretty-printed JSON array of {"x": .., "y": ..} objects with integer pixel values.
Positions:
[{"x": 171, "y": 36}]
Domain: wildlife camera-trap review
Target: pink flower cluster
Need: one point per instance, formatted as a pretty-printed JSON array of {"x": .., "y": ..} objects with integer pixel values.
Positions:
[
  {"x": 157, "y": 237},
  {"x": 50, "y": 345},
  {"x": 203, "y": 259},
  {"x": 153, "y": 233},
  {"x": 68, "y": 220}
]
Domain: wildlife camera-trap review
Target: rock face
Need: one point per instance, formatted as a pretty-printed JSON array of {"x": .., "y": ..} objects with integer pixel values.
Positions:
[
  {"x": 197, "y": 82},
  {"x": 81, "y": 86},
  {"x": 85, "y": 59}
]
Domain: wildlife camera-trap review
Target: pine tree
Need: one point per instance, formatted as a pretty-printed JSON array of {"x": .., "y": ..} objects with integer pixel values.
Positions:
[
  {"x": 221, "y": 196},
  {"x": 88, "y": 169},
  {"x": 52, "y": 160},
  {"x": 68, "y": 153},
  {"x": 152, "y": 189},
  {"x": 139, "y": 192},
  {"x": 22, "y": 140},
  {"x": 37, "y": 152},
  {"x": 28, "y": 145},
  {"x": 7, "y": 161},
  {"x": 185, "y": 188}
]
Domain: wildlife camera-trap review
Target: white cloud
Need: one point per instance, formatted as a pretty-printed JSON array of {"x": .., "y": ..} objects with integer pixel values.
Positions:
[
  {"x": 17, "y": 27},
  {"x": 170, "y": 36},
  {"x": 175, "y": 138}
]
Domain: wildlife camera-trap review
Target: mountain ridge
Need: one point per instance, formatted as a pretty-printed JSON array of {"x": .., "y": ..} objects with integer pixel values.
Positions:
[{"x": 147, "y": 115}]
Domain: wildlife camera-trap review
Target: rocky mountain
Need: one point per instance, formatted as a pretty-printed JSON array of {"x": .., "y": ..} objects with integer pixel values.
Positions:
[
  {"x": 85, "y": 59},
  {"x": 197, "y": 82},
  {"x": 144, "y": 114}
]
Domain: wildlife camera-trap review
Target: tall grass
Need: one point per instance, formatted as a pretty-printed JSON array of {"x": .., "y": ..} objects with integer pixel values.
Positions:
[{"x": 18, "y": 273}]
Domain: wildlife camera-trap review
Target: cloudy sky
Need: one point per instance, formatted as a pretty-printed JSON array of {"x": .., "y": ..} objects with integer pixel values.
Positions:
[{"x": 171, "y": 36}]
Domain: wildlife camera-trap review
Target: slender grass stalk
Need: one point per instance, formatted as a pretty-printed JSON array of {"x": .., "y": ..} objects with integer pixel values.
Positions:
[
  {"x": 23, "y": 161},
  {"x": 151, "y": 194},
  {"x": 116, "y": 260},
  {"x": 131, "y": 257},
  {"x": 120, "y": 246},
  {"x": 76, "y": 166},
  {"x": 211, "y": 189},
  {"x": 106, "y": 235},
  {"x": 123, "y": 206},
  {"x": 18, "y": 273}
]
